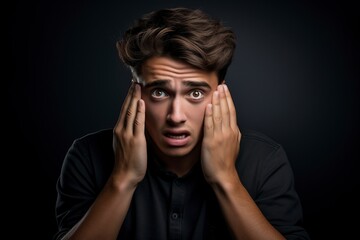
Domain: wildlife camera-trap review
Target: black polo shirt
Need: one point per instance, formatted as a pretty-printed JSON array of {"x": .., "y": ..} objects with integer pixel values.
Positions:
[{"x": 165, "y": 206}]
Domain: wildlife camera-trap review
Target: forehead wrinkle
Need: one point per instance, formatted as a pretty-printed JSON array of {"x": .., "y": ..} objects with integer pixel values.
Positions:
[
  {"x": 174, "y": 69},
  {"x": 185, "y": 83},
  {"x": 172, "y": 75},
  {"x": 171, "y": 69},
  {"x": 177, "y": 73}
]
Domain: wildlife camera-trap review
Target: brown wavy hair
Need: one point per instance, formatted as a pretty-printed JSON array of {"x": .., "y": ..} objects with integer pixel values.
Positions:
[{"x": 188, "y": 35}]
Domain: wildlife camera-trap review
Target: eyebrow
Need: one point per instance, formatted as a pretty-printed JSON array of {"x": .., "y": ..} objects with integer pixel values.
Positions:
[
  {"x": 162, "y": 83},
  {"x": 197, "y": 84}
]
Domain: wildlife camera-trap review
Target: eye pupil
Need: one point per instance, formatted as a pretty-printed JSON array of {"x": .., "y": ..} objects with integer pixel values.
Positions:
[{"x": 196, "y": 94}]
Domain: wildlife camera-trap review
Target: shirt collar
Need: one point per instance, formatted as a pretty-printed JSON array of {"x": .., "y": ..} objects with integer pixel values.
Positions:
[{"x": 156, "y": 167}]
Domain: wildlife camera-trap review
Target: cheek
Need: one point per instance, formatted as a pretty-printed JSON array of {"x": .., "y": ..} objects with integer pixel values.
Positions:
[
  {"x": 203, "y": 106},
  {"x": 154, "y": 114},
  {"x": 197, "y": 113}
]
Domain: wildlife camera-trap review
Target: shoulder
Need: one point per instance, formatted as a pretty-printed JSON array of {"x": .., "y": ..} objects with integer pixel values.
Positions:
[
  {"x": 260, "y": 156},
  {"x": 255, "y": 136},
  {"x": 255, "y": 140},
  {"x": 97, "y": 136},
  {"x": 97, "y": 140},
  {"x": 90, "y": 155},
  {"x": 92, "y": 146},
  {"x": 96, "y": 145}
]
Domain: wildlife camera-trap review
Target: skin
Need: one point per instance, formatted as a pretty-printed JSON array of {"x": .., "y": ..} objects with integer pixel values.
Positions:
[
  {"x": 176, "y": 96},
  {"x": 189, "y": 117}
]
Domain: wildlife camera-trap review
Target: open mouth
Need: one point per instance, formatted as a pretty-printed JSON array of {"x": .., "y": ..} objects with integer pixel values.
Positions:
[
  {"x": 181, "y": 136},
  {"x": 177, "y": 138}
]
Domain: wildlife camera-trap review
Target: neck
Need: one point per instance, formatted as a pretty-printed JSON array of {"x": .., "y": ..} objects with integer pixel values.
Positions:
[{"x": 179, "y": 165}]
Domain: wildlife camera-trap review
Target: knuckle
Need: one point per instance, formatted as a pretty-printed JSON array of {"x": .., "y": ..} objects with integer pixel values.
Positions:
[
  {"x": 217, "y": 118},
  {"x": 138, "y": 122},
  {"x": 128, "y": 112},
  {"x": 208, "y": 126},
  {"x": 117, "y": 131}
]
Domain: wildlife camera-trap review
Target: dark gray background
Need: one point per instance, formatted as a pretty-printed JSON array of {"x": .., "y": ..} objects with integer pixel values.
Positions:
[{"x": 294, "y": 77}]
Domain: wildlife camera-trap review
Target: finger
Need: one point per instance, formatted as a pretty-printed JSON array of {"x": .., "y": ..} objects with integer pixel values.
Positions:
[
  {"x": 232, "y": 110},
  {"x": 125, "y": 106},
  {"x": 216, "y": 110},
  {"x": 131, "y": 111},
  {"x": 139, "y": 122},
  {"x": 224, "y": 107},
  {"x": 208, "y": 122}
]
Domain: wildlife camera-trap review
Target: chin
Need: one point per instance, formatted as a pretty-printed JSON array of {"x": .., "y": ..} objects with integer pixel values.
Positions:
[
  {"x": 171, "y": 151},
  {"x": 180, "y": 152},
  {"x": 175, "y": 152}
]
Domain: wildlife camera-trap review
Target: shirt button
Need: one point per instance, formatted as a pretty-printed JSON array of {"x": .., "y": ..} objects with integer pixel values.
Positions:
[
  {"x": 177, "y": 182},
  {"x": 174, "y": 215}
]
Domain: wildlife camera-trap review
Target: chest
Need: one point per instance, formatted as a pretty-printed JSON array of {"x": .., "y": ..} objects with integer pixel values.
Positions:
[{"x": 172, "y": 208}]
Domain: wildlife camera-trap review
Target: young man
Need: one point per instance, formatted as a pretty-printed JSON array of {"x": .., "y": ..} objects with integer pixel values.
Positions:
[{"x": 176, "y": 165}]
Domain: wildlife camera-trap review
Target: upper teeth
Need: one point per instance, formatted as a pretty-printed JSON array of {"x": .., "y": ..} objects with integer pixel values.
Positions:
[{"x": 176, "y": 136}]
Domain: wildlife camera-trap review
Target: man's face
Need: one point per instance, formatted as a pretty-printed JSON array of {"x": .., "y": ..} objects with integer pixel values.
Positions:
[{"x": 175, "y": 96}]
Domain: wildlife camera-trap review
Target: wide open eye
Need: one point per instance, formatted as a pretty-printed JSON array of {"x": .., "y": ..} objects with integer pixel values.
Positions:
[
  {"x": 196, "y": 94},
  {"x": 158, "y": 93}
]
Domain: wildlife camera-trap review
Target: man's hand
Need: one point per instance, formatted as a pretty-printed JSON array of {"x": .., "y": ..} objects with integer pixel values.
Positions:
[
  {"x": 221, "y": 141},
  {"x": 129, "y": 141}
]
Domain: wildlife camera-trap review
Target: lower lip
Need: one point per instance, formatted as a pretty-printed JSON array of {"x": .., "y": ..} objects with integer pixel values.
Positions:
[{"x": 177, "y": 142}]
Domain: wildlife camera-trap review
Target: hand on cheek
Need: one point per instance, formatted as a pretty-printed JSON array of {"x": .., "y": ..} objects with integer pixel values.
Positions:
[
  {"x": 129, "y": 141},
  {"x": 221, "y": 140}
]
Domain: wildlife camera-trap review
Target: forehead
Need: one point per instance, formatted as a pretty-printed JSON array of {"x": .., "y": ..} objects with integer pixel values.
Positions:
[{"x": 166, "y": 68}]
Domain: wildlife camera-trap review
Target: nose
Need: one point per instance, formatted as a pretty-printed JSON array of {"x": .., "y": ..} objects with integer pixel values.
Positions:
[{"x": 176, "y": 114}]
